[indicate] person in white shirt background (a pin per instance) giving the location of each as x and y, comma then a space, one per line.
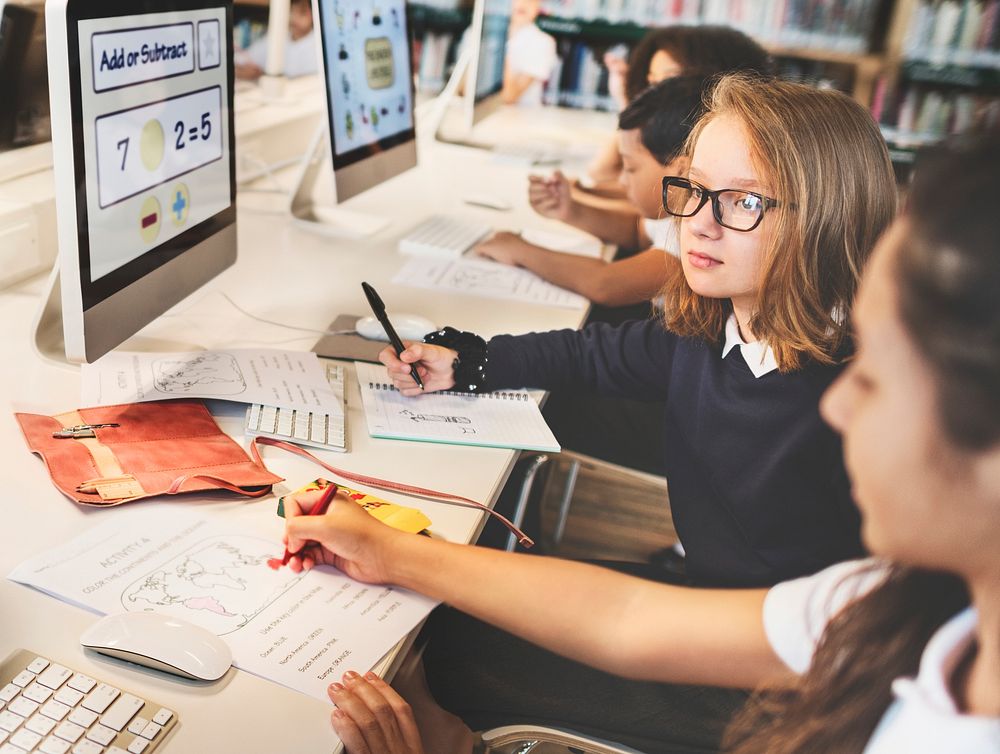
897, 653
300, 49
530, 56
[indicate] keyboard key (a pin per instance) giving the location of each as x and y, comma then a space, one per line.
100, 698
115, 750
82, 683
82, 717
69, 696
56, 710
26, 739
3, 735
138, 746
101, 735
69, 731
55, 676
163, 716
151, 731
122, 711
23, 707
38, 665
8, 692
9, 721
53, 745
40, 724
36, 692
137, 726
10, 749
87, 747
23, 678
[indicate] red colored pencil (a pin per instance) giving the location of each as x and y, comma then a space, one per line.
318, 509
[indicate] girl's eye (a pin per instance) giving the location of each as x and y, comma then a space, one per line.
749, 202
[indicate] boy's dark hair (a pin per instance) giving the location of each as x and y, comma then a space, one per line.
665, 113
699, 50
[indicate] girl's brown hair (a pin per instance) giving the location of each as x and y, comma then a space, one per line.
820, 154
947, 278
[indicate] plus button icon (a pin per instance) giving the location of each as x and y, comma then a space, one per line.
178, 206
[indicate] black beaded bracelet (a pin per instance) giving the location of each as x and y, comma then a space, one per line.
470, 366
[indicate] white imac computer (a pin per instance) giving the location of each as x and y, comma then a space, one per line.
143, 154
24, 90
484, 79
368, 135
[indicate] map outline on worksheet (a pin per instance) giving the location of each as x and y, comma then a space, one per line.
167, 579
210, 372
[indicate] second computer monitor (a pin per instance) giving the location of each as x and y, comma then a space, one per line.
369, 91
490, 22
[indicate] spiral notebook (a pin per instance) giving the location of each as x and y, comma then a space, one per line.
504, 419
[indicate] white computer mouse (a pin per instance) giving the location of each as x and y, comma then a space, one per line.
407, 327
159, 641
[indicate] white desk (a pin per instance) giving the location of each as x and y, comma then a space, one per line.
292, 276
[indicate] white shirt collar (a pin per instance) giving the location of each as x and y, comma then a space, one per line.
757, 355
938, 663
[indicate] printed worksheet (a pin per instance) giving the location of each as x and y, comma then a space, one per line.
300, 630
483, 277
286, 379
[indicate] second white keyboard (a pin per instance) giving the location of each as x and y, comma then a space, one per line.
444, 236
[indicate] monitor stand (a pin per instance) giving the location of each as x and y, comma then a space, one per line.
47, 329
318, 218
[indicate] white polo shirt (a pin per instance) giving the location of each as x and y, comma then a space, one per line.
663, 233
533, 52
923, 717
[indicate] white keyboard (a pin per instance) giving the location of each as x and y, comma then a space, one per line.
46, 707
444, 236
316, 429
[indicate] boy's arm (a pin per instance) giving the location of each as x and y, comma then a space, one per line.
628, 281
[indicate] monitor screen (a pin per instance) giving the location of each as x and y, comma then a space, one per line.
492, 41
369, 79
24, 89
149, 135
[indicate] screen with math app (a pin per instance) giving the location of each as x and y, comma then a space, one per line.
369, 81
154, 105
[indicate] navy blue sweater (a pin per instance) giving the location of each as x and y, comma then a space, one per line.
757, 483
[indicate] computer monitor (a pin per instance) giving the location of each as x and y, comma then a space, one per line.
24, 89
143, 155
368, 131
484, 79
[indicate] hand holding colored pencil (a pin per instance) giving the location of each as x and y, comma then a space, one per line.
318, 509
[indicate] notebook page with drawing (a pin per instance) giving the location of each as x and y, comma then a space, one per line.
504, 419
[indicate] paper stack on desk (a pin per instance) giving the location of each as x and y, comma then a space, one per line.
286, 379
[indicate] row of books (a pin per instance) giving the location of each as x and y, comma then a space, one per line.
247, 31
844, 25
436, 52
580, 79
920, 115
960, 32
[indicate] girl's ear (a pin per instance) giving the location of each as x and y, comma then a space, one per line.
678, 166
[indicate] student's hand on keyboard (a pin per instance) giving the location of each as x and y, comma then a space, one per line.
346, 537
508, 248
372, 718
434, 365
552, 196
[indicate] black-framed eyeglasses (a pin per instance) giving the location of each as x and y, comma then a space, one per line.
732, 208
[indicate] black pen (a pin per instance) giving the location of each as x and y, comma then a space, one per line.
379, 309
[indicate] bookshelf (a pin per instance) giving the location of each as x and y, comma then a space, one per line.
942, 72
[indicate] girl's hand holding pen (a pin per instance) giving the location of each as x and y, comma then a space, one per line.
346, 537
435, 365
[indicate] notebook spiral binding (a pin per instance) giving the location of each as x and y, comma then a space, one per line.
498, 395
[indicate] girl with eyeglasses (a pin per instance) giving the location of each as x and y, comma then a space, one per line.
895, 653
754, 329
